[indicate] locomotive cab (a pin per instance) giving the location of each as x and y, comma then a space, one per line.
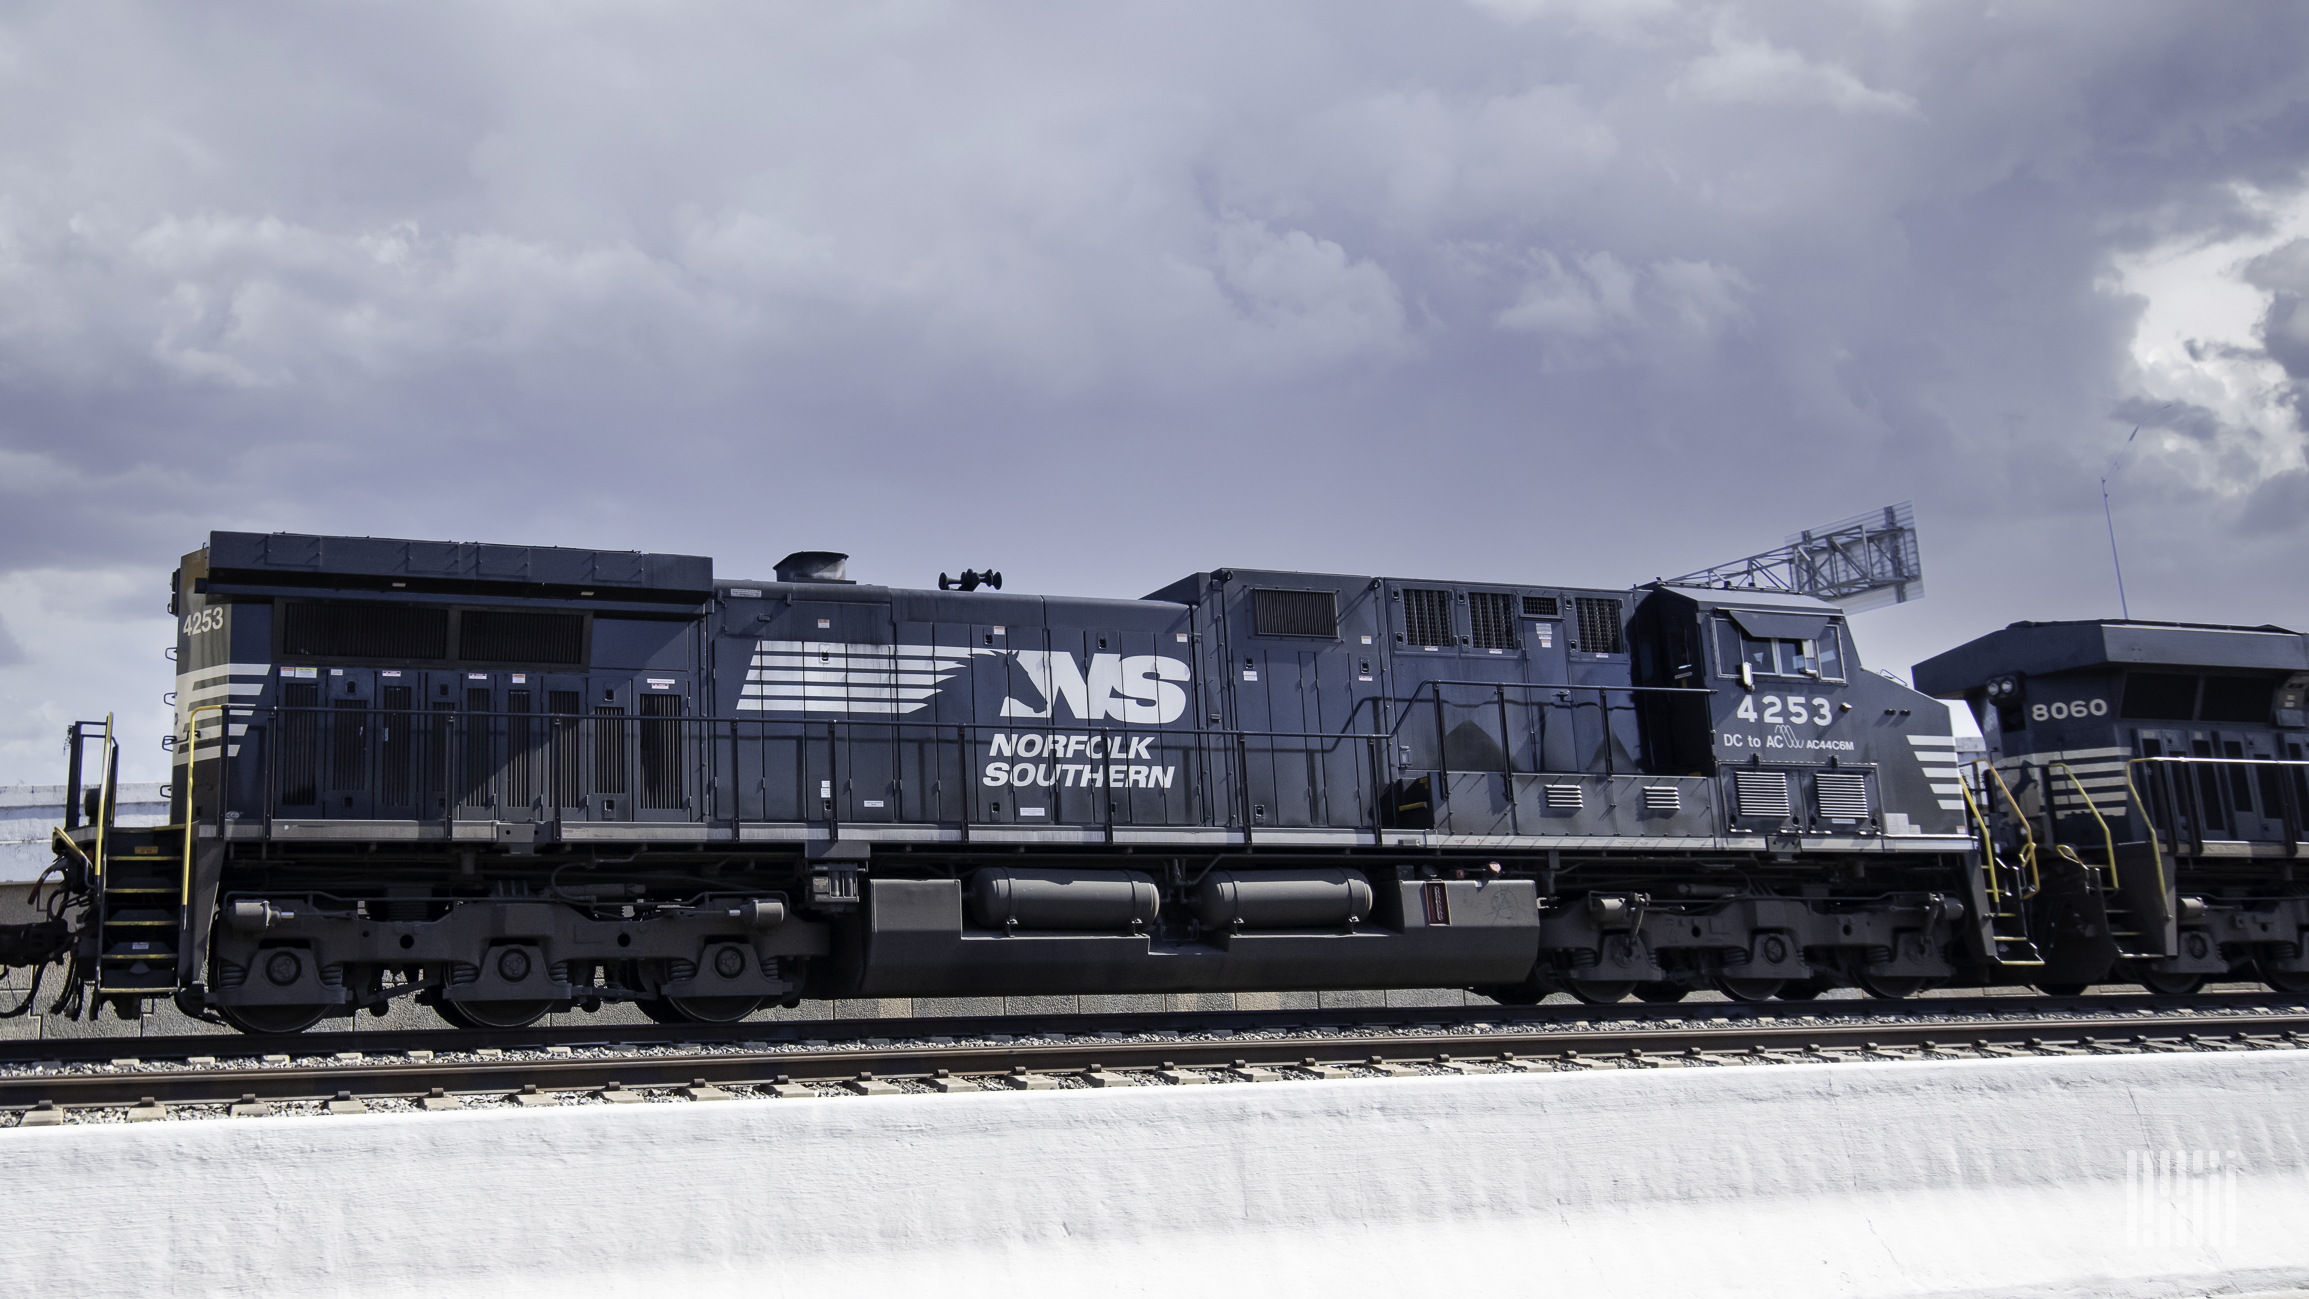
2156, 776
1763, 691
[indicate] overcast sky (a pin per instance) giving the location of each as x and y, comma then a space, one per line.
1103, 294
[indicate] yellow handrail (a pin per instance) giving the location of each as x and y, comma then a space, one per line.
2028, 835
58, 839
103, 798
2108, 836
1987, 845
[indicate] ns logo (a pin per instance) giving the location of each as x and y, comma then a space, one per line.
1135, 688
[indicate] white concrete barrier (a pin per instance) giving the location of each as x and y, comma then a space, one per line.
2103, 1176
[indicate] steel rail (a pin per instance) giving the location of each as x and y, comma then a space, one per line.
1534, 1046
99, 1049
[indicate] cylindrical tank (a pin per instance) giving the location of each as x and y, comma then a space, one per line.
1030, 899
1297, 899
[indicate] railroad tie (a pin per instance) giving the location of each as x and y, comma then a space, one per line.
1245, 1071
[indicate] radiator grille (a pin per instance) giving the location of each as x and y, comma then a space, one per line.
479, 775
1599, 625
1762, 793
1541, 606
300, 745
1493, 616
661, 783
1565, 797
1295, 613
1843, 795
496, 637
1427, 616
608, 750
521, 756
1663, 798
357, 629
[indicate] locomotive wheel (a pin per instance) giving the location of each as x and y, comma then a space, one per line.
1600, 992
2062, 989
1891, 987
2169, 985
2292, 983
712, 1010
1802, 989
1661, 992
272, 1019
1533, 990
1750, 989
493, 1014
659, 1011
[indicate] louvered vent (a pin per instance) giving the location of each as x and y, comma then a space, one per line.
1565, 797
1427, 616
1663, 798
1599, 625
1493, 613
1295, 613
1843, 795
1541, 606
355, 629
1762, 793
489, 637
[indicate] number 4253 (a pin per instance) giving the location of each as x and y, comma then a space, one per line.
1799, 709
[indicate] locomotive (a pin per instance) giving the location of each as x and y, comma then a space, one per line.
2148, 779
507, 780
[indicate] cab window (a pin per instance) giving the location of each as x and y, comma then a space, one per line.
1780, 658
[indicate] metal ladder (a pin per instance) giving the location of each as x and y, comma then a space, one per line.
2008, 884
136, 879
2124, 923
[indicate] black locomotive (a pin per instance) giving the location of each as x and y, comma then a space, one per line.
508, 780
2149, 780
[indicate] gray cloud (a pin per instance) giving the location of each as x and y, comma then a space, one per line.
1518, 289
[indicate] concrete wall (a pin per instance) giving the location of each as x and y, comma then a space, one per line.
29, 812
2115, 1176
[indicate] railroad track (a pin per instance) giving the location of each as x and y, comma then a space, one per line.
444, 1040
188, 1076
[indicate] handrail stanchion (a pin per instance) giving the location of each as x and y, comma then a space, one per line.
2108, 836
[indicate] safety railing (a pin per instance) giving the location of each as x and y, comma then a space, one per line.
2174, 804
336, 763
1539, 704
